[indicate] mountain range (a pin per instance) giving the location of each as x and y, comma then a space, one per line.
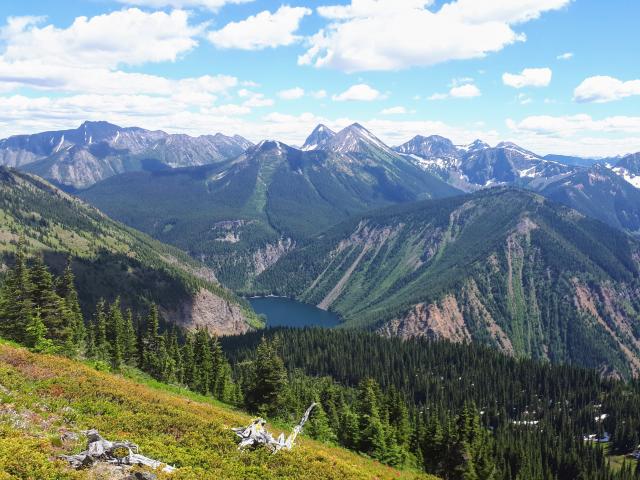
252, 209
94, 151
429, 238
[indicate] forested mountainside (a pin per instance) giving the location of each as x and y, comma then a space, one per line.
502, 267
241, 216
94, 151
459, 411
110, 259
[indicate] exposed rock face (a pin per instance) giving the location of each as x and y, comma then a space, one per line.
270, 254
206, 310
602, 304
442, 320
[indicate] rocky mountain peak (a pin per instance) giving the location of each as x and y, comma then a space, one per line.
318, 138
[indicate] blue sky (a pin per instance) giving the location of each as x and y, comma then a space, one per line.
553, 75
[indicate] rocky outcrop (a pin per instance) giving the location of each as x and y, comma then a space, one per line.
209, 311
270, 254
441, 320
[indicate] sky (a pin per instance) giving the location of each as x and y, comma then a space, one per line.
555, 76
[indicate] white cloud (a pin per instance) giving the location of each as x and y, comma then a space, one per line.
565, 56
602, 89
319, 94
465, 91
291, 93
213, 5
458, 90
254, 100
407, 33
394, 111
260, 31
130, 37
360, 92
84, 57
529, 77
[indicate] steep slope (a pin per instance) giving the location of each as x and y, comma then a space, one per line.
241, 216
110, 259
628, 167
599, 193
46, 401
318, 138
96, 150
503, 267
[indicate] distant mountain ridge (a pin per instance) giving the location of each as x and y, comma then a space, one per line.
80, 157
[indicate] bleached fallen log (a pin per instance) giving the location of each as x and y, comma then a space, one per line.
101, 450
256, 434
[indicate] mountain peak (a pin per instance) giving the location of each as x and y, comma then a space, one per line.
355, 139
318, 138
429, 147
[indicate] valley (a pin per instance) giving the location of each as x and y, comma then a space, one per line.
385, 277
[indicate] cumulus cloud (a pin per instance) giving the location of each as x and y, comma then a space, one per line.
359, 92
263, 30
213, 5
124, 37
465, 91
565, 56
291, 93
602, 89
459, 90
408, 33
85, 57
529, 77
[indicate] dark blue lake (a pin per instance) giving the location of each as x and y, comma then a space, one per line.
284, 312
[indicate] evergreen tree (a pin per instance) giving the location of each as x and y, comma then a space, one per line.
266, 392
15, 301
318, 426
130, 351
35, 334
102, 347
67, 291
116, 334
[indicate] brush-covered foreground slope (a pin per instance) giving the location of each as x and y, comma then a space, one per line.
241, 216
110, 259
503, 267
43, 397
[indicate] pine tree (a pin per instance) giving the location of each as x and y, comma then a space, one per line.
52, 308
35, 334
115, 334
372, 433
102, 348
67, 291
153, 348
266, 391
15, 301
318, 426
130, 340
